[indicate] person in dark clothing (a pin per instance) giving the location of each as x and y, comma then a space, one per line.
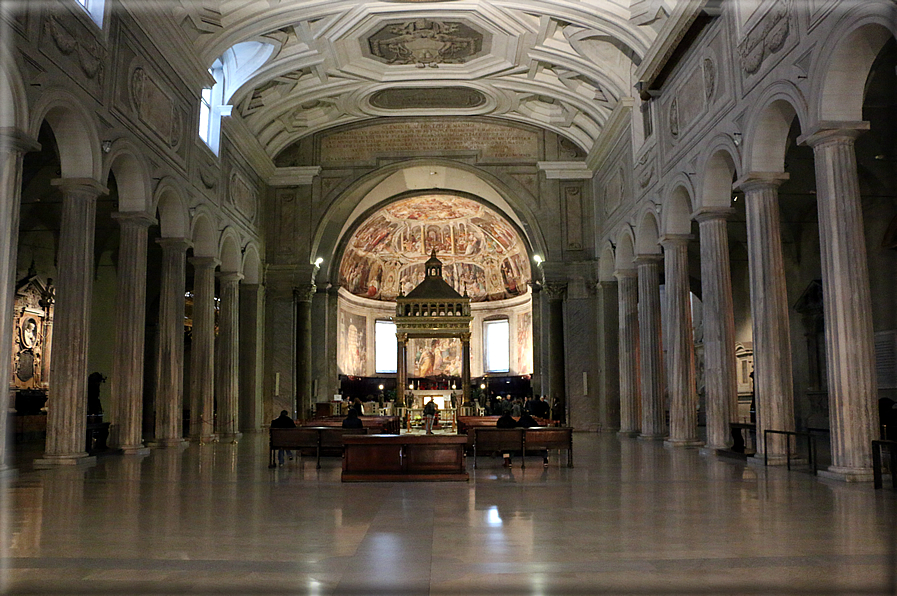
283, 421
506, 421
543, 409
352, 420
527, 421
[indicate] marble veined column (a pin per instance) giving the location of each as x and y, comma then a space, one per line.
252, 300
608, 355
67, 400
202, 357
720, 381
169, 399
465, 369
630, 367
650, 346
13, 145
126, 429
228, 369
773, 389
850, 350
680, 344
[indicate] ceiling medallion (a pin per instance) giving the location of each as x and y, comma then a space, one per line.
445, 98
426, 43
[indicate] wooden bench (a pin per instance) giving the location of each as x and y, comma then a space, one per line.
537, 438
389, 425
379, 458
465, 423
315, 438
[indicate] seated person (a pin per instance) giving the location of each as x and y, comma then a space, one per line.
527, 421
352, 420
506, 421
283, 421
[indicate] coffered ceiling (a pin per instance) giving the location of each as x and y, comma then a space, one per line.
559, 64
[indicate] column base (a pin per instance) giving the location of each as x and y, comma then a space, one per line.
847, 474
775, 460
166, 443
55, 461
139, 450
204, 439
8, 473
230, 437
682, 443
628, 433
651, 437
712, 449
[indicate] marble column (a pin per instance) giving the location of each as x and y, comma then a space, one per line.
850, 349
67, 400
13, 145
773, 388
650, 346
202, 355
538, 373
680, 342
227, 387
557, 369
252, 298
126, 429
629, 353
720, 381
169, 398
608, 355
465, 368
303, 296
331, 372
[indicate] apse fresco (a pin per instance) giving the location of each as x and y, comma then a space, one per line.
433, 357
480, 251
353, 348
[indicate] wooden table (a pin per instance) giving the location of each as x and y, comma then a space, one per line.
404, 458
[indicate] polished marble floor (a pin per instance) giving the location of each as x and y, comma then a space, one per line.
632, 517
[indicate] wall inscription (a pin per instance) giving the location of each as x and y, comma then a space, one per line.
490, 140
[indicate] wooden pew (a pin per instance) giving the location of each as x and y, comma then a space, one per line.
537, 438
467, 422
308, 437
390, 425
379, 458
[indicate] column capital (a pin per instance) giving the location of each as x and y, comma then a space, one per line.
555, 290
294, 176
625, 273
648, 258
204, 262
230, 276
465, 337
671, 240
134, 218
304, 292
174, 244
16, 140
711, 213
402, 338
80, 186
827, 131
755, 180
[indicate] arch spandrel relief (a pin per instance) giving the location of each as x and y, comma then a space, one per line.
481, 252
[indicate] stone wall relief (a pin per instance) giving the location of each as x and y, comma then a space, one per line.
573, 208
82, 48
426, 43
242, 196
767, 37
155, 107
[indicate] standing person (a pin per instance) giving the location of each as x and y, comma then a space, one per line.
283, 421
359, 408
430, 415
516, 408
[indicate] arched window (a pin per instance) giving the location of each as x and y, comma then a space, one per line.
212, 108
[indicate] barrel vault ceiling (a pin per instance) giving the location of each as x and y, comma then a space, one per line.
562, 65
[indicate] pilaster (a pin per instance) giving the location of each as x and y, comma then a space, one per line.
608, 355
557, 373
303, 295
252, 300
